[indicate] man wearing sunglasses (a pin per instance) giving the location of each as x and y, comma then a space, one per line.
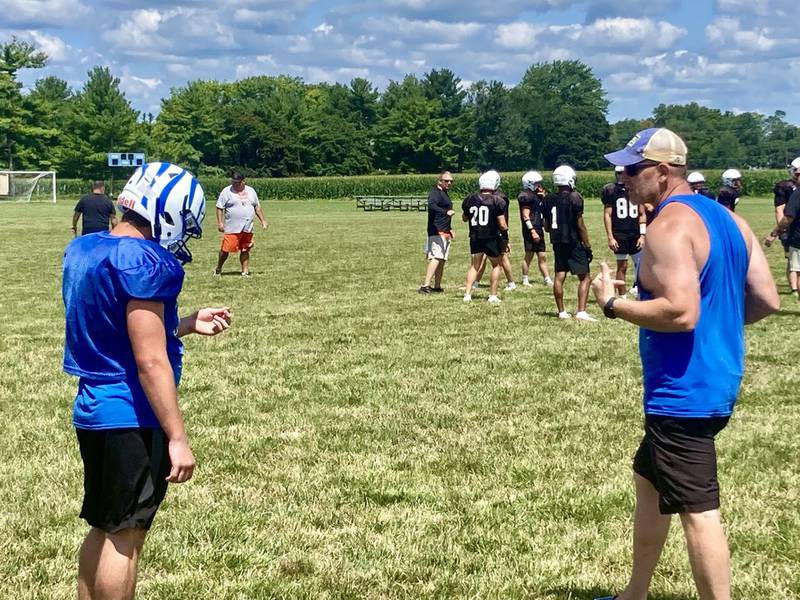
696, 298
440, 233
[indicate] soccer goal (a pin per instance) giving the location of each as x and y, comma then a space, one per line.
27, 186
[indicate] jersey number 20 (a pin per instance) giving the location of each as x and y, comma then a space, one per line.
480, 215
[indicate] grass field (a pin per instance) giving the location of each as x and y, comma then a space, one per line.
357, 440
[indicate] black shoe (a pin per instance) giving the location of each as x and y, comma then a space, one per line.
437, 290
425, 290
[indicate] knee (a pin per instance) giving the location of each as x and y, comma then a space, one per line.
127, 541
701, 520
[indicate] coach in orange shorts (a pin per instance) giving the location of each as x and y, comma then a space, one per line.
237, 205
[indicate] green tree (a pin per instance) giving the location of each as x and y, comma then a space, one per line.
48, 106
190, 129
564, 107
18, 130
101, 121
497, 137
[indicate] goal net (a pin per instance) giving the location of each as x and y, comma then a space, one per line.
27, 186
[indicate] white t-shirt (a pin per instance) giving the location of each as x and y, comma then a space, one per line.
239, 207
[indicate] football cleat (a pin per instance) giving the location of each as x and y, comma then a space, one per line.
467, 298
425, 290
511, 286
494, 300
548, 282
582, 315
564, 315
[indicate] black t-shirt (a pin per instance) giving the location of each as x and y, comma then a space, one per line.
561, 211
438, 205
783, 191
533, 202
624, 213
482, 211
793, 210
96, 209
727, 197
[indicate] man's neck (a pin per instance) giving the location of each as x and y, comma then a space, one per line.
674, 188
125, 229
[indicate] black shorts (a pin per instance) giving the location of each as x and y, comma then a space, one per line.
490, 247
678, 456
627, 247
530, 245
571, 257
124, 476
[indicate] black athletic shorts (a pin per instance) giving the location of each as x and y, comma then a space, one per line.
530, 245
678, 456
627, 247
124, 476
571, 257
490, 246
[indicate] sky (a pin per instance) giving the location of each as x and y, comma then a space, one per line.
737, 55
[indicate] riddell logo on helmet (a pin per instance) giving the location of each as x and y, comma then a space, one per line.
126, 202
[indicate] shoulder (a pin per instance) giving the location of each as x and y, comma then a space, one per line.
147, 270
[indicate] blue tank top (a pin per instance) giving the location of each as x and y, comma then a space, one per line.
698, 373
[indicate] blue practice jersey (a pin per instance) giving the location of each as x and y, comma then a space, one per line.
102, 273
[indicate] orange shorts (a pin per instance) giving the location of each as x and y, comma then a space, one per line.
237, 242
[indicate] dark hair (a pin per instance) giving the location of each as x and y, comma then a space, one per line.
237, 176
134, 218
98, 184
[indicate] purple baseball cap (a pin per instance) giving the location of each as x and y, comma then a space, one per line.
657, 144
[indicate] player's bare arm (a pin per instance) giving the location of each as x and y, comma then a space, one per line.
260, 215
583, 232
206, 321
678, 247
781, 228
526, 217
145, 321
220, 219
612, 242
761, 294
501, 223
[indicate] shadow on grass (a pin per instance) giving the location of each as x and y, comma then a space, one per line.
579, 593
787, 313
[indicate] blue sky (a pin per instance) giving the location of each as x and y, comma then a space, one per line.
739, 55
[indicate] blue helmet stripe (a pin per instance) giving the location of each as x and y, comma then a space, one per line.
162, 197
192, 189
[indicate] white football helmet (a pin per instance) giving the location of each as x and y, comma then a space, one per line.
489, 180
695, 177
530, 179
729, 176
564, 175
794, 166
172, 200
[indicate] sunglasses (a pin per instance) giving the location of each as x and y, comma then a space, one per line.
447, 181
634, 170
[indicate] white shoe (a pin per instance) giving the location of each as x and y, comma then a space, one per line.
494, 300
582, 315
548, 282
476, 285
467, 298
564, 315
511, 286
527, 283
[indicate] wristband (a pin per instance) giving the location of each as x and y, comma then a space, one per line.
642, 228
608, 308
528, 224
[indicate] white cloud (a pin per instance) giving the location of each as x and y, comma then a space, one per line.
727, 30
41, 13
323, 28
54, 47
632, 82
519, 35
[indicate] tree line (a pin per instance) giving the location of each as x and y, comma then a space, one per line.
281, 126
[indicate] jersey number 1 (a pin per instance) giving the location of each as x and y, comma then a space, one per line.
480, 215
553, 218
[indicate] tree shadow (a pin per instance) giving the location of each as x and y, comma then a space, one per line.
579, 593
787, 313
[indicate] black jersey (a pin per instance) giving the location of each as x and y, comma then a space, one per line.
783, 191
561, 212
727, 197
534, 203
793, 210
704, 191
624, 214
482, 211
502, 195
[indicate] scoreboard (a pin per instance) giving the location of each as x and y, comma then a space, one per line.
125, 159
